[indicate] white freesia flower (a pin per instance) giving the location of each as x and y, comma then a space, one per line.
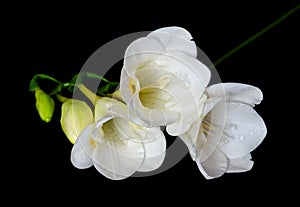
228, 130
162, 81
115, 145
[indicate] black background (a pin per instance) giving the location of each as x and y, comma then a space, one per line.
56, 39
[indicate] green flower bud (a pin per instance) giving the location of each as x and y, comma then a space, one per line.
44, 105
75, 116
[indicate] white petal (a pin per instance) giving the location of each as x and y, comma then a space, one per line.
127, 86
240, 164
153, 76
107, 108
188, 116
204, 135
190, 69
79, 157
210, 103
178, 31
236, 92
154, 150
108, 174
210, 146
215, 166
190, 72
118, 161
122, 145
213, 124
245, 128
141, 51
176, 39
186, 105
190, 138
83, 149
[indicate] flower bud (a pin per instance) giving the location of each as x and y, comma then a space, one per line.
75, 116
44, 105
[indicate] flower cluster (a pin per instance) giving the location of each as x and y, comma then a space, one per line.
164, 84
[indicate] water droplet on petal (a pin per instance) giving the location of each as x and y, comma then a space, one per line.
242, 137
251, 133
232, 126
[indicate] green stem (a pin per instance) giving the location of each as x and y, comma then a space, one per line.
93, 75
103, 91
34, 83
78, 77
44, 76
59, 88
257, 35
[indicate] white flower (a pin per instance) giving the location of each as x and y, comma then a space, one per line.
115, 145
162, 81
228, 130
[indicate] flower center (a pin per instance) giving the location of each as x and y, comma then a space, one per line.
117, 130
156, 98
206, 127
112, 131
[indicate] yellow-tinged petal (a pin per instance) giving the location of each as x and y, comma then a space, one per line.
75, 116
44, 105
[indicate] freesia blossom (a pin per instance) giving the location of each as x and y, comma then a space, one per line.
75, 116
162, 80
117, 146
227, 131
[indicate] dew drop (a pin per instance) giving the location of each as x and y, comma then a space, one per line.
232, 126
251, 133
242, 138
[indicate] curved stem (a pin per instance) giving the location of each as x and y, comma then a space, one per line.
44, 76
257, 35
34, 83
99, 77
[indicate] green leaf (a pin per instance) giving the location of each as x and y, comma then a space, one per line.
33, 84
